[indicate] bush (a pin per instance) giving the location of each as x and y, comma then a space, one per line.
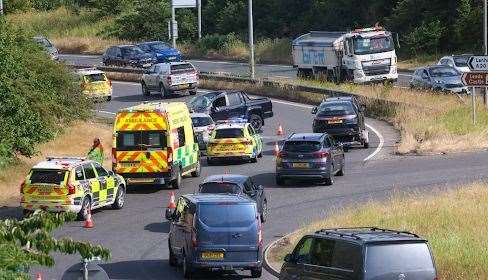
37, 94
426, 37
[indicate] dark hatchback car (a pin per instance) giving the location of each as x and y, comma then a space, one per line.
342, 118
161, 51
360, 254
240, 185
312, 156
215, 232
127, 55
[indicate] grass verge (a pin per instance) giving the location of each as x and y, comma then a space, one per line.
70, 143
451, 221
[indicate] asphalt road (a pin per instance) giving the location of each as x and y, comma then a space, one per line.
137, 234
262, 70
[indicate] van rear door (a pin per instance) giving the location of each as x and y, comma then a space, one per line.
231, 228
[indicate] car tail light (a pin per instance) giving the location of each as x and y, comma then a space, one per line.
170, 154
260, 233
71, 188
22, 185
320, 155
282, 154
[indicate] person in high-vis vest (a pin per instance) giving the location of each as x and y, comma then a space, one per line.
96, 152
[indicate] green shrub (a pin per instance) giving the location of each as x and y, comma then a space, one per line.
426, 37
37, 94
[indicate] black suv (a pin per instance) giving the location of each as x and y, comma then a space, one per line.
360, 253
127, 55
343, 118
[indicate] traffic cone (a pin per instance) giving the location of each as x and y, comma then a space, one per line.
171, 204
38, 276
88, 221
280, 131
276, 149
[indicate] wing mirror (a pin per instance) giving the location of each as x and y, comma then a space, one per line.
111, 173
260, 187
314, 110
169, 214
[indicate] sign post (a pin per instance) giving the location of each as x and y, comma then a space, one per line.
478, 78
181, 4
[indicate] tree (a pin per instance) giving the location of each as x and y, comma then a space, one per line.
426, 37
26, 243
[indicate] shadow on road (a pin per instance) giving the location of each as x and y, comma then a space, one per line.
158, 227
7, 212
268, 181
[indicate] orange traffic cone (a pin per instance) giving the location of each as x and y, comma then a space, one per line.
276, 149
280, 131
171, 204
38, 276
88, 221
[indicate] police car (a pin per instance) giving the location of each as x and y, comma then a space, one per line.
234, 139
70, 184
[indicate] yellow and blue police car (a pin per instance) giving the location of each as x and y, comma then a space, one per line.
71, 184
234, 140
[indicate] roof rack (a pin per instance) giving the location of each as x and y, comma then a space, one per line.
50, 158
337, 231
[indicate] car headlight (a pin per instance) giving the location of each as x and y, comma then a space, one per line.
438, 82
352, 121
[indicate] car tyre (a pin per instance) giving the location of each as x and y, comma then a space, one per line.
162, 91
145, 90
173, 261
280, 181
176, 183
329, 181
197, 171
85, 206
256, 272
120, 198
187, 268
256, 121
193, 92
264, 214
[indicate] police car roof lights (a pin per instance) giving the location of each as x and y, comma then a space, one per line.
233, 120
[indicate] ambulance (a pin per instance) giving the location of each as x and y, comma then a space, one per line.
153, 143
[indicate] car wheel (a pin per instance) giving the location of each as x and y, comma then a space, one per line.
254, 159
145, 89
120, 198
256, 272
193, 92
264, 211
329, 181
187, 268
85, 206
176, 183
280, 181
162, 91
196, 173
256, 121
173, 261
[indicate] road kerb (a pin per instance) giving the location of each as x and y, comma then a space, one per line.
267, 265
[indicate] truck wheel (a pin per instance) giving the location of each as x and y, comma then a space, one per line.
256, 121
176, 183
145, 90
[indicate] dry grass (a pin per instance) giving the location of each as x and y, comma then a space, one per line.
454, 223
75, 141
85, 45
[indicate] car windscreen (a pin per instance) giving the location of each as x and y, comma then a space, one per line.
373, 45
202, 101
182, 68
302, 146
384, 259
335, 109
461, 61
227, 214
95, 78
443, 72
219, 187
141, 140
160, 46
132, 51
201, 121
47, 176
43, 42
229, 133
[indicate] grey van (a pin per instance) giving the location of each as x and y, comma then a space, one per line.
215, 232
360, 254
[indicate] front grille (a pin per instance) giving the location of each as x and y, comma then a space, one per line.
377, 70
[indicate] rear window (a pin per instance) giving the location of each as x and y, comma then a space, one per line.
141, 140
227, 215
219, 187
302, 146
336, 109
229, 133
95, 78
182, 68
382, 260
201, 121
47, 176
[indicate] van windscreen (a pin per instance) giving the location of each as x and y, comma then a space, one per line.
54, 176
227, 215
383, 259
141, 140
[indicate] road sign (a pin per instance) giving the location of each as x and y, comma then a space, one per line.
478, 63
184, 4
473, 79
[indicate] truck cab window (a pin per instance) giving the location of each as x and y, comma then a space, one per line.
234, 99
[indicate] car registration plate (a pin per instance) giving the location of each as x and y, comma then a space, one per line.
335, 121
129, 164
213, 255
141, 180
300, 165
44, 189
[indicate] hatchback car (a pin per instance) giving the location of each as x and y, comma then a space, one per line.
127, 55
215, 232
312, 156
95, 84
460, 62
161, 50
438, 78
240, 185
203, 126
360, 254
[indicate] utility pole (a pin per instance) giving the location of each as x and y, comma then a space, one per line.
1, 7
173, 27
199, 3
251, 42
485, 35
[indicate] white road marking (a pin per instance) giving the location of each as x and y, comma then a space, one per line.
239, 63
106, 112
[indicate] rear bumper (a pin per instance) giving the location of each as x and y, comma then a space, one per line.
229, 157
148, 178
215, 265
179, 88
50, 206
310, 174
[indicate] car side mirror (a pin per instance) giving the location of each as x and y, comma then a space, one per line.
260, 187
111, 173
314, 110
169, 214
289, 258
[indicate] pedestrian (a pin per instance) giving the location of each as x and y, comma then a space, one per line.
96, 152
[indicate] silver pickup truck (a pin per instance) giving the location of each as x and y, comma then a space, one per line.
169, 78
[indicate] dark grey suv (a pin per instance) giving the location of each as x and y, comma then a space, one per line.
360, 253
311, 156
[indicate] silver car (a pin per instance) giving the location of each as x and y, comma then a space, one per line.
438, 78
169, 78
48, 46
203, 126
